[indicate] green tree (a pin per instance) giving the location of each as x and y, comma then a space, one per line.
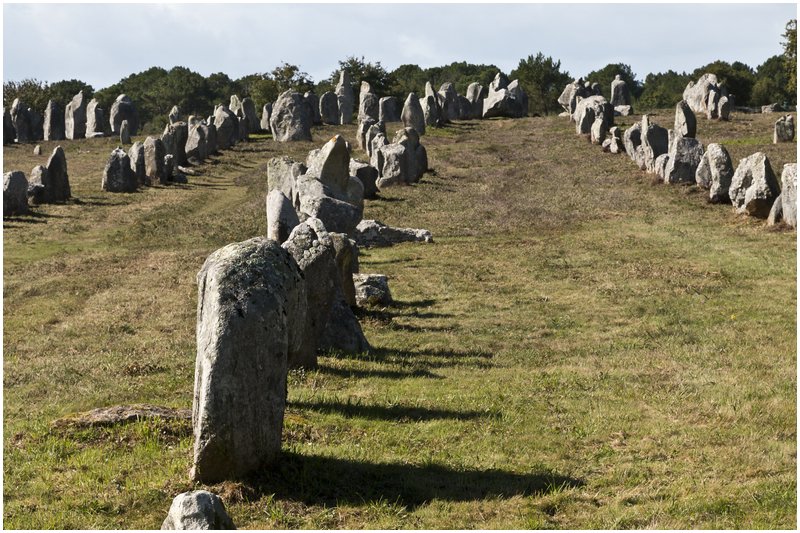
220, 88
63, 91
606, 75
287, 76
407, 79
30, 91
542, 80
661, 90
790, 57
772, 83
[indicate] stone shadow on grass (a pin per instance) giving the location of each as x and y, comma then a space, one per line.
387, 374
396, 413
316, 480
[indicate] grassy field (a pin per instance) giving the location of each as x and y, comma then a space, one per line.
579, 348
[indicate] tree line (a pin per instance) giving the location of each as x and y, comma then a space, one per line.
156, 89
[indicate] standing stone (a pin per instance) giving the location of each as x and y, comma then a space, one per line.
685, 155
250, 315
53, 122
9, 133
249, 110
697, 94
375, 141
508, 100
282, 174
361, 132
450, 98
235, 106
632, 139
430, 109
174, 137
22, 118
388, 109
227, 127
724, 108
312, 248
329, 108
197, 510
124, 133
372, 289
345, 98
154, 153
75, 117
57, 187
169, 167
367, 175
660, 166
265, 114
313, 103
789, 194
416, 155
655, 141
118, 176
281, 216
209, 132
413, 116
599, 131
123, 109
290, 120
620, 96
589, 109
784, 130
776, 212
685, 121
39, 185
715, 172
196, 147
372, 132
136, 158
712, 106
94, 119
475, 97
15, 194
368, 103
244, 132
174, 115
754, 186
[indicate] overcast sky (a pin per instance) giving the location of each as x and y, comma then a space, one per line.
102, 43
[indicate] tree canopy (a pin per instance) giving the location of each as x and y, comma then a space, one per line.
542, 80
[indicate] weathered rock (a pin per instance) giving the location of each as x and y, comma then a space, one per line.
312, 248
374, 139
282, 174
136, 158
368, 103
117, 175
715, 172
235, 106
696, 94
9, 134
266, 111
244, 132
598, 131
95, 119
124, 133
754, 186
684, 158
174, 115
367, 175
505, 99
450, 101
771, 108
345, 98
75, 118
329, 108
250, 315
616, 145
372, 289
712, 104
416, 155
388, 109
464, 107
116, 415
227, 125
175, 137
660, 166
281, 216
197, 510
588, 109
784, 130
249, 111
569, 96
15, 194
53, 122
290, 120
632, 138
196, 146
22, 119
361, 133
620, 95
685, 121
623, 110
724, 108
154, 153
374, 233
430, 109
789, 194
775, 212
59, 189
123, 108
393, 169
475, 97
655, 141
413, 115
210, 133
37, 150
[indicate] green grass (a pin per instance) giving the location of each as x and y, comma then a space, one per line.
578, 349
